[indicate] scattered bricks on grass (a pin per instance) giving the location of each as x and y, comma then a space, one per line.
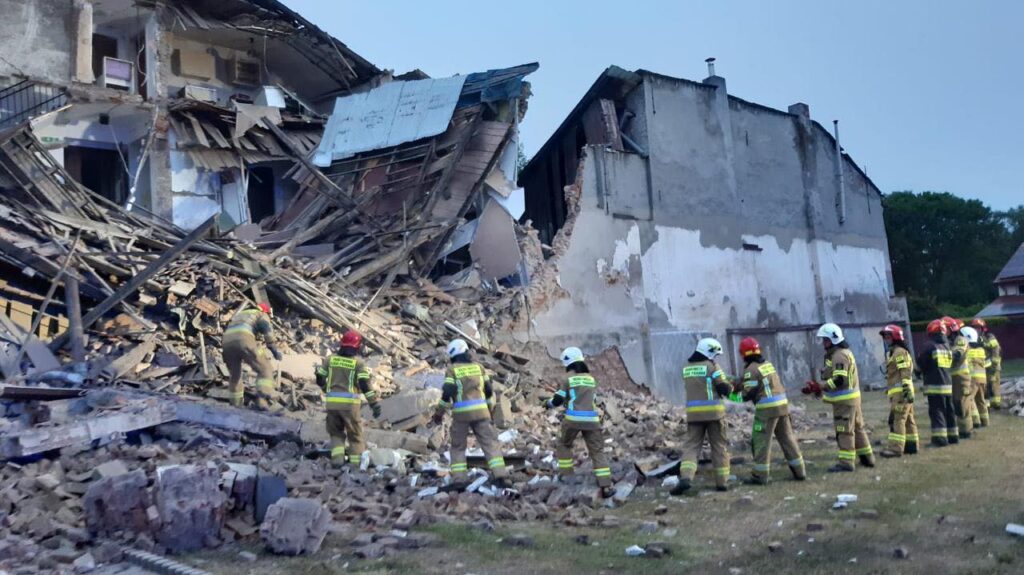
295, 526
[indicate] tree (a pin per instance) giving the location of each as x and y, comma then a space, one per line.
945, 250
1013, 219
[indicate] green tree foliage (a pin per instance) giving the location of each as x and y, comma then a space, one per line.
946, 250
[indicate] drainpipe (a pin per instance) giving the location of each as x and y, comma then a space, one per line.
839, 174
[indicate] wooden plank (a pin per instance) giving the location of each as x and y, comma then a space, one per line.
198, 128
122, 365
139, 279
37, 352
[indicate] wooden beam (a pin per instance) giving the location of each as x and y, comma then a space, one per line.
137, 281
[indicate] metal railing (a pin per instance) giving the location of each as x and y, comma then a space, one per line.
26, 99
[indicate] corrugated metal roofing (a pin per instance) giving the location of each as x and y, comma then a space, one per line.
1015, 267
392, 114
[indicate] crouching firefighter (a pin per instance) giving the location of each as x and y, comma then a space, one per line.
467, 391
841, 386
899, 370
933, 363
706, 386
345, 380
579, 395
240, 347
761, 385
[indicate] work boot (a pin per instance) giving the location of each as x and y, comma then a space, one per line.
953, 439
798, 474
939, 442
890, 454
456, 486
721, 488
840, 468
607, 492
965, 435
755, 480
867, 460
683, 486
501, 483
911, 448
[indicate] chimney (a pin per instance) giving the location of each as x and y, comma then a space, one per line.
713, 79
800, 109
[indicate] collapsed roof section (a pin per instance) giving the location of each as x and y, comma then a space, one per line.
287, 42
403, 166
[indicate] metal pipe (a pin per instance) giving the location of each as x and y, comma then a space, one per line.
839, 173
711, 66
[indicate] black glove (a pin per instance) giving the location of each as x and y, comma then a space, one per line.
908, 394
277, 355
376, 410
438, 418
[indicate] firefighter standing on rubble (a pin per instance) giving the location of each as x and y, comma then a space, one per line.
976, 359
841, 387
706, 387
963, 397
933, 363
579, 394
345, 380
240, 347
761, 385
467, 391
899, 370
993, 363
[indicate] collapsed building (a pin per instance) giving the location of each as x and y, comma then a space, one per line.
680, 211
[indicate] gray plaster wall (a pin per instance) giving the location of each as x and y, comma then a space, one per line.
731, 228
36, 39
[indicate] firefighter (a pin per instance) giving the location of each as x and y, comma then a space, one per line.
933, 364
467, 392
961, 373
976, 358
899, 369
579, 395
841, 386
345, 380
761, 385
706, 386
993, 363
240, 347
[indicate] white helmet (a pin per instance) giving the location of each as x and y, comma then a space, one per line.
832, 332
709, 347
970, 333
457, 347
571, 355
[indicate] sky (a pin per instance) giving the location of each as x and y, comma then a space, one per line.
929, 94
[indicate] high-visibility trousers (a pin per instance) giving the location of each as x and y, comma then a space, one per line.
781, 428
715, 433
851, 435
486, 438
594, 439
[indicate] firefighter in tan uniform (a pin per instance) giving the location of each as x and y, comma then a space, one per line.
993, 363
579, 395
963, 395
706, 386
240, 347
467, 391
345, 381
976, 359
899, 371
761, 385
841, 386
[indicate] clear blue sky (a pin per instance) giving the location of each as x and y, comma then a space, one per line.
929, 93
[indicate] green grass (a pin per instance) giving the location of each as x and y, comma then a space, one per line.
1013, 368
948, 507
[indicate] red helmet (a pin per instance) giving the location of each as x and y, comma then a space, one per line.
952, 324
749, 346
937, 326
893, 330
351, 339
979, 324
264, 307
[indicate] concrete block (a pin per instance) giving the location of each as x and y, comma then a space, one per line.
110, 469
191, 506
118, 503
295, 526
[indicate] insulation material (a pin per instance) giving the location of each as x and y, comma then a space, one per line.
494, 247
392, 114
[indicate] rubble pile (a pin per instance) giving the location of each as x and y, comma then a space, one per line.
1013, 395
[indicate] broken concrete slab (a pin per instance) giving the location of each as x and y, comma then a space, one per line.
118, 503
409, 404
397, 440
141, 415
191, 506
295, 526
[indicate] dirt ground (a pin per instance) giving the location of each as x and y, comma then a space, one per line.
947, 508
